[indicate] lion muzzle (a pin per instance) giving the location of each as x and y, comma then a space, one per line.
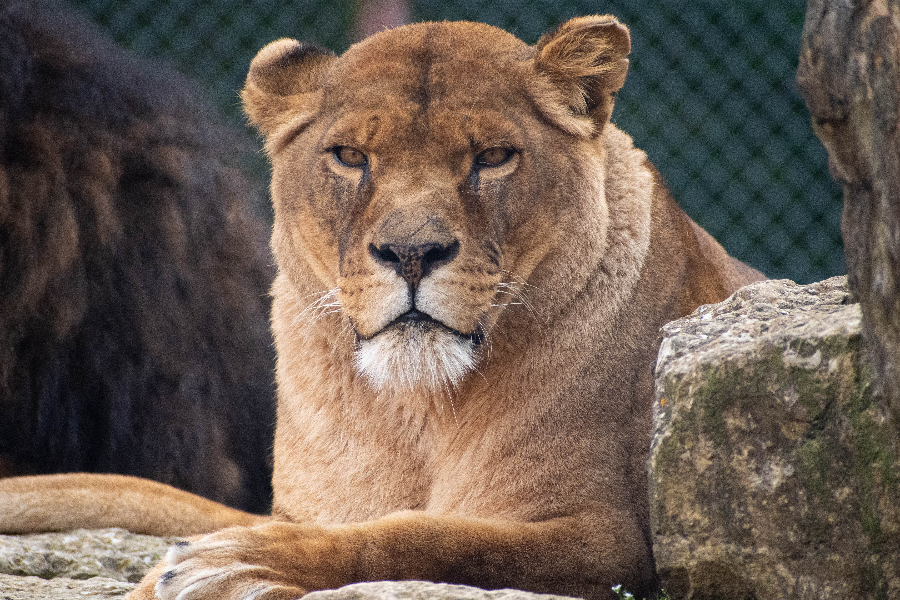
416, 349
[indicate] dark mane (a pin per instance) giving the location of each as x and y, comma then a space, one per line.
133, 276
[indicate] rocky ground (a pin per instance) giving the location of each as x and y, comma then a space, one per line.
107, 563
80, 564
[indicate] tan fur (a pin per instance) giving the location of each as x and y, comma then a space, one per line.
553, 269
110, 501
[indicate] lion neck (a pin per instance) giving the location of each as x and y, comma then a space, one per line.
592, 270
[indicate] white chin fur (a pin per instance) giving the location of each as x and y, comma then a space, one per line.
410, 356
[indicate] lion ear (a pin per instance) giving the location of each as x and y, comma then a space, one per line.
580, 66
283, 84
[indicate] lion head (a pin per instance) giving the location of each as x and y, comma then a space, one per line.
426, 173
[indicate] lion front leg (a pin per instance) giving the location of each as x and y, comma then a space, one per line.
285, 560
279, 561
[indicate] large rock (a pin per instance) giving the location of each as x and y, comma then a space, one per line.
849, 75
772, 472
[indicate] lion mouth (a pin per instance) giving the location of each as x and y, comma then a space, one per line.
417, 318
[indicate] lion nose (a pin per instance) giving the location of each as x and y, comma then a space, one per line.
414, 261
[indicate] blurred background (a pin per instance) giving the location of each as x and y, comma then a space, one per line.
710, 96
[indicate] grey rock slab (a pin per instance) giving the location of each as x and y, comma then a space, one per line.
82, 554
422, 590
61, 588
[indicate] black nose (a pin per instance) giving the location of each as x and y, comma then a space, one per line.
414, 261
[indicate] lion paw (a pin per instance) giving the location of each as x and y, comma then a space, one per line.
215, 567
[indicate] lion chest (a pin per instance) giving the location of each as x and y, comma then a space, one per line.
349, 460
504, 452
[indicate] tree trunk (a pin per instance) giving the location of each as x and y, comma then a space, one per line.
849, 75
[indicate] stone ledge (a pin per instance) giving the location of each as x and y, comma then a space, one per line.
106, 563
62, 588
422, 590
82, 554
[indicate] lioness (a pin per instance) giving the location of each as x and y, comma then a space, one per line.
473, 268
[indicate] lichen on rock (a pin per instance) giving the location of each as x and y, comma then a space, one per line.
772, 471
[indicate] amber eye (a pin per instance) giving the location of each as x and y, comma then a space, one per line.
350, 157
494, 157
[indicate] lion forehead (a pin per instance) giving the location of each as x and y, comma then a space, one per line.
431, 64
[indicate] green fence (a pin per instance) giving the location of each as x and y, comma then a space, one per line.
710, 96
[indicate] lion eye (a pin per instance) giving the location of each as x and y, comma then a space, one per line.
494, 157
350, 157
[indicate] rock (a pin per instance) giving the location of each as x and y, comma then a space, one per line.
104, 563
772, 472
421, 590
82, 554
61, 588
849, 75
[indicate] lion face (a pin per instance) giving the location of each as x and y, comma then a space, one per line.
419, 176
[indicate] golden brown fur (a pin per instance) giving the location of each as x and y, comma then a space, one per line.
133, 311
473, 269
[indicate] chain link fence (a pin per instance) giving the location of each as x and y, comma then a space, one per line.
710, 96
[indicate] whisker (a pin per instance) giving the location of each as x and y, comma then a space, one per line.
446, 388
453, 410
325, 293
326, 303
345, 330
514, 289
518, 280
